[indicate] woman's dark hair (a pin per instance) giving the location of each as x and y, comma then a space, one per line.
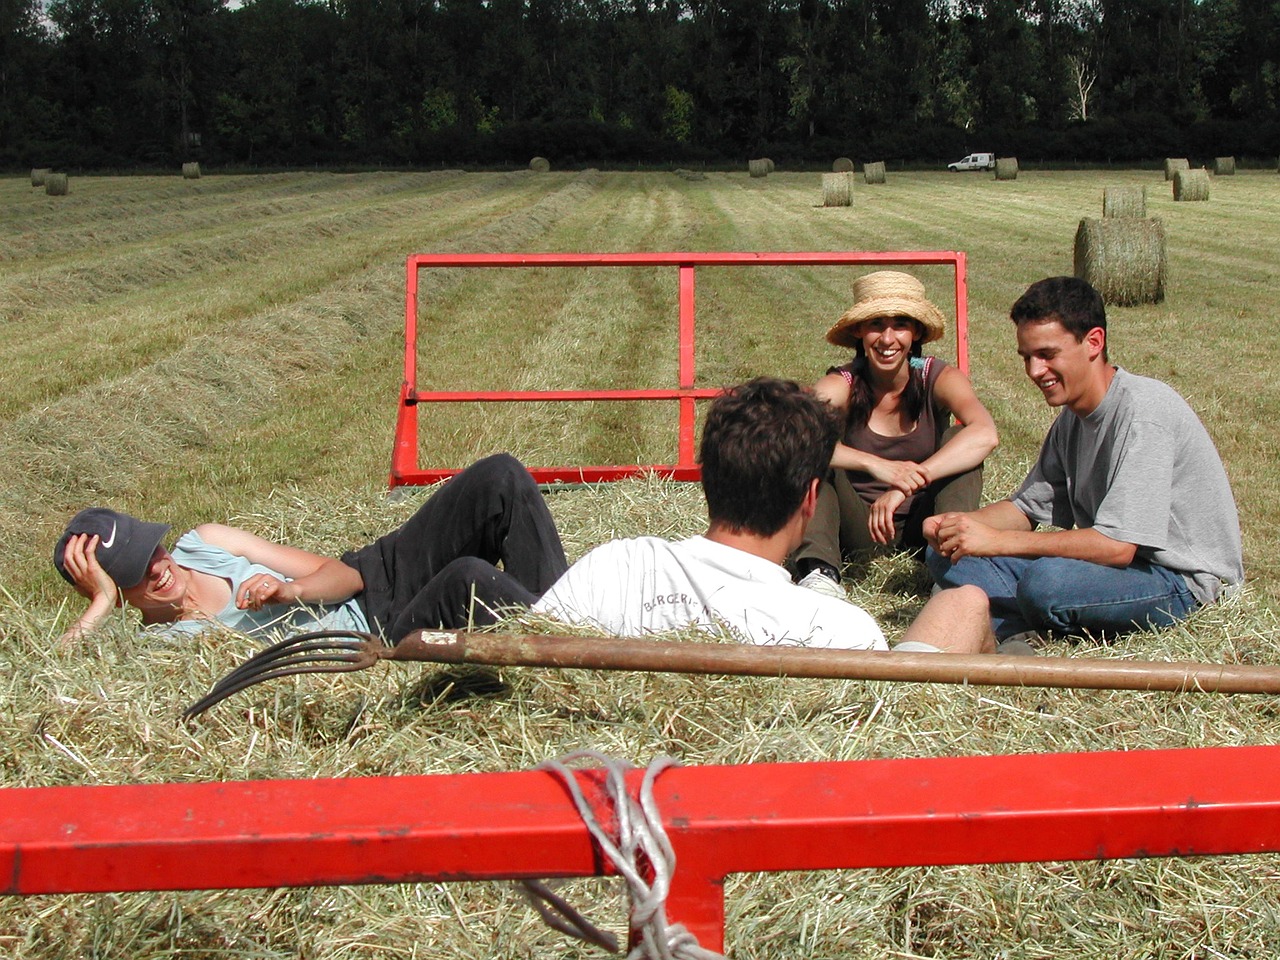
861, 398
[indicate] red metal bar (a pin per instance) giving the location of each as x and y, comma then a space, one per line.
404, 466
722, 820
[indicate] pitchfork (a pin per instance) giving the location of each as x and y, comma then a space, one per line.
338, 651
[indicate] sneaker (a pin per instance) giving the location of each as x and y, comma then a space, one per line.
819, 582
1019, 645
915, 646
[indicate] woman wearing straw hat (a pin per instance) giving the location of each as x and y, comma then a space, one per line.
899, 461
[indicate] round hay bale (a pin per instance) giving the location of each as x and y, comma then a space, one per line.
1122, 258
873, 172
1224, 166
1130, 201
758, 168
540, 165
768, 163
837, 189
191, 171
1006, 168
1173, 165
55, 184
1191, 184
842, 165
38, 175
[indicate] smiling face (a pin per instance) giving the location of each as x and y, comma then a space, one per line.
162, 590
1069, 372
887, 341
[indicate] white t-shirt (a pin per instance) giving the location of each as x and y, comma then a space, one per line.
629, 588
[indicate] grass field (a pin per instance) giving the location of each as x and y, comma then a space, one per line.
229, 348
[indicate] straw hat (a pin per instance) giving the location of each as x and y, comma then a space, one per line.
887, 293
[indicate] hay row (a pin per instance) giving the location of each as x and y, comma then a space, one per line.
1224, 166
842, 165
873, 172
38, 285
837, 189
191, 171
1123, 259
1127, 201
164, 211
692, 175
1191, 184
1173, 164
1006, 168
56, 456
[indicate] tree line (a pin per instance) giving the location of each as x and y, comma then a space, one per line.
122, 83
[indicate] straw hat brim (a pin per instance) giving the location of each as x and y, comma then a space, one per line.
843, 333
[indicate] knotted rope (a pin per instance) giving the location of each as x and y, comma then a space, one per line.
640, 833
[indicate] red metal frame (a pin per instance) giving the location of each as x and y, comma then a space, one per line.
404, 456
721, 820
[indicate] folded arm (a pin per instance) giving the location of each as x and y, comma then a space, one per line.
312, 578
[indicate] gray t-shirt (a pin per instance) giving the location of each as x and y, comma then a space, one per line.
1142, 469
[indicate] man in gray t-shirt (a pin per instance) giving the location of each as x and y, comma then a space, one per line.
1150, 530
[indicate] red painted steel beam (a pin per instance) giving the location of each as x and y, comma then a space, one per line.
404, 468
722, 820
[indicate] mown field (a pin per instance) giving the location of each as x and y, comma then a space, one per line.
230, 349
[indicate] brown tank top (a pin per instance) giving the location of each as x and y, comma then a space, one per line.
917, 445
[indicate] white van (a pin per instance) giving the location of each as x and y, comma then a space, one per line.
974, 161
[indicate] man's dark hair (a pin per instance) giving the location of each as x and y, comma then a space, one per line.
762, 444
1069, 300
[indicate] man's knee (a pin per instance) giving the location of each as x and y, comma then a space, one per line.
1041, 590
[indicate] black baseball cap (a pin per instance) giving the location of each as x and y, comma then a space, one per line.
125, 543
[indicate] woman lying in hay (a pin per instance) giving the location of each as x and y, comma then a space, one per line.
899, 460
437, 570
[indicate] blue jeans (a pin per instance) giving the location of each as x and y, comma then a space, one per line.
1069, 596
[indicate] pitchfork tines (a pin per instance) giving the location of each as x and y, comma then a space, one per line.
321, 651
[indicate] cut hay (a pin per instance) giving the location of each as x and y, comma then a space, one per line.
837, 189
38, 175
759, 168
1191, 184
873, 172
1224, 166
1123, 259
1172, 165
1006, 168
191, 171
1128, 201
55, 184
692, 175
842, 165
540, 165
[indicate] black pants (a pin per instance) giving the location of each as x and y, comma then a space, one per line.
439, 568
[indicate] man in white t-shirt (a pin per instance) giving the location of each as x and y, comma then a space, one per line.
765, 447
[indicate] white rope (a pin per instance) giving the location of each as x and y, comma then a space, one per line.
640, 833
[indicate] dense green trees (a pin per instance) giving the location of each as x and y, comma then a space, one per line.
122, 82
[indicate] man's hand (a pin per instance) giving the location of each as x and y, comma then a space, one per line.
880, 522
959, 535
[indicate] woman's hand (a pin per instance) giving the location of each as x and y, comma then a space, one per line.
880, 522
262, 589
906, 476
81, 561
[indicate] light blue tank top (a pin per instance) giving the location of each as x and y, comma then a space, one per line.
193, 553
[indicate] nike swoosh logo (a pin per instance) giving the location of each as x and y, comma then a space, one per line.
111, 539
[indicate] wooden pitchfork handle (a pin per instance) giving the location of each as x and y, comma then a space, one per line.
341, 650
